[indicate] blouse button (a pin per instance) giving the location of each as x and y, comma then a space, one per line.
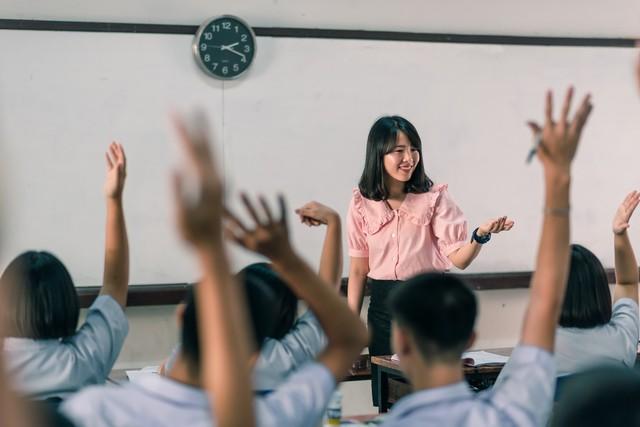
393, 235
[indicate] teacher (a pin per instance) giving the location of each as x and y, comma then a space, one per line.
401, 224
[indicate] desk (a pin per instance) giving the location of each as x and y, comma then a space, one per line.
392, 385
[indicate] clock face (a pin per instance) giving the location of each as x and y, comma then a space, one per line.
224, 47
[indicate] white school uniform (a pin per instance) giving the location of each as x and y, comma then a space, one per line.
522, 396
279, 358
614, 343
157, 401
48, 368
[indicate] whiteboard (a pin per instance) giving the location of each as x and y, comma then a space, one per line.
297, 123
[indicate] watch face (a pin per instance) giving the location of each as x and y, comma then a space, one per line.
224, 47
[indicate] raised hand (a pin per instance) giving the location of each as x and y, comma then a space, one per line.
268, 235
314, 214
496, 225
198, 203
116, 171
624, 212
560, 139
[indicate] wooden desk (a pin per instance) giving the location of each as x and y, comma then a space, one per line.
392, 384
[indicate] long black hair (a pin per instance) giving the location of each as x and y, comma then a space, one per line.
382, 140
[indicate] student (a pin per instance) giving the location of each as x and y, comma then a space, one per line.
591, 332
401, 224
47, 358
434, 316
292, 341
295, 342
603, 396
221, 365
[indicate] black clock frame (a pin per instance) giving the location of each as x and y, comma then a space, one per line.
199, 54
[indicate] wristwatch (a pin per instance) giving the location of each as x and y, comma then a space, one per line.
480, 239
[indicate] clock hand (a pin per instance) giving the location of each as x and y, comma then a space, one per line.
237, 53
229, 46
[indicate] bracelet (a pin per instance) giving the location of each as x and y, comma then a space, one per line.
557, 211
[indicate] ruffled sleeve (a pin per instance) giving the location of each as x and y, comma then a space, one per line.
356, 228
448, 222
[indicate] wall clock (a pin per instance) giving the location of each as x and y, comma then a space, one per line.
224, 47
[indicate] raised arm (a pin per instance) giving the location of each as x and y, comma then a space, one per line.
115, 279
625, 259
222, 318
559, 142
314, 214
346, 334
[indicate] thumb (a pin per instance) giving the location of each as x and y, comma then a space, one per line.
535, 128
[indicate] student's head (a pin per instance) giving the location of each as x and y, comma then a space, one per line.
285, 301
433, 319
42, 300
394, 151
260, 306
587, 302
605, 396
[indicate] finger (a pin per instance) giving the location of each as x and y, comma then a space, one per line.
250, 209
509, 225
582, 115
535, 128
233, 219
566, 106
230, 234
195, 146
549, 108
266, 209
178, 193
283, 209
109, 162
123, 156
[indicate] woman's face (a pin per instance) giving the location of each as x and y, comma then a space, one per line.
400, 163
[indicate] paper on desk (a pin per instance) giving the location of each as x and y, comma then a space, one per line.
478, 357
484, 358
135, 375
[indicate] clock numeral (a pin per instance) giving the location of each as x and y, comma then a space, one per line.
215, 65
243, 38
236, 28
207, 58
236, 67
226, 25
247, 49
225, 70
203, 47
208, 36
215, 28
243, 59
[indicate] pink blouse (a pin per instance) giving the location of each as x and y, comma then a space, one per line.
412, 239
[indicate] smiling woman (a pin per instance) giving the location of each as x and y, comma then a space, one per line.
401, 224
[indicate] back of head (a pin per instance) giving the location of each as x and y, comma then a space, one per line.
587, 302
285, 304
607, 396
42, 300
260, 304
439, 311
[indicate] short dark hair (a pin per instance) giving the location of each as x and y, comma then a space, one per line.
587, 301
439, 311
285, 301
382, 140
41, 300
260, 304
603, 396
